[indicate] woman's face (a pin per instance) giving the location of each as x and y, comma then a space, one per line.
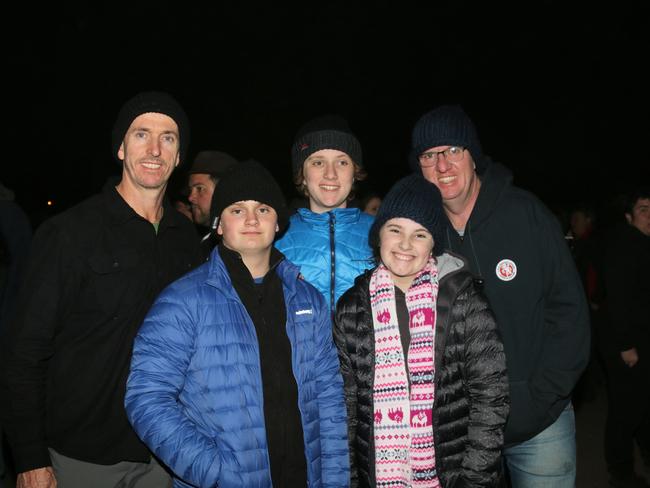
328, 176
405, 248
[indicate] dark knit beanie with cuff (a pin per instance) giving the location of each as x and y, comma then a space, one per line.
325, 132
151, 102
214, 163
416, 199
447, 125
248, 180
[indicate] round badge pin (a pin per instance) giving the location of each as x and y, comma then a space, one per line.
506, 270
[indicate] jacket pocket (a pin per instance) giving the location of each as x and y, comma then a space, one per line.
115, 280
525, 420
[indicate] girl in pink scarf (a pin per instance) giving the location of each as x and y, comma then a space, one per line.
423, 363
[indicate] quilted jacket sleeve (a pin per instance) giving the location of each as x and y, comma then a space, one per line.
162, 352
331, 405
344, 329
487, 386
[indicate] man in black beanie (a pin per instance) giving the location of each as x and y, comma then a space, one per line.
516, 249
93, 272
207, 168
234, 379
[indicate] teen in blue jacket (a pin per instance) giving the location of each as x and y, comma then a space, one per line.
328, 241
234, 367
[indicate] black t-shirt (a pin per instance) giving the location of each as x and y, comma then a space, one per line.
403, 321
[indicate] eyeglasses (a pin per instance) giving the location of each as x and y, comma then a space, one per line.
452, 154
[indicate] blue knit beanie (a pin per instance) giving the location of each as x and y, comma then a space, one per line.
447, 125
413, 198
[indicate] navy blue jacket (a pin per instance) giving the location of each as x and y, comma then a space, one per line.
515, 244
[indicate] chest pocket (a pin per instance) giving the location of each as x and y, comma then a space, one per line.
115, 280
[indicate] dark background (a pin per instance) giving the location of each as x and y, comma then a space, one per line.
558, 89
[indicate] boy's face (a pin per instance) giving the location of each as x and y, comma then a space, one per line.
248, 226
640, 216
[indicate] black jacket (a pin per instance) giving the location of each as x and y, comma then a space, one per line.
471, 396
627, 281
541, 309
92, 274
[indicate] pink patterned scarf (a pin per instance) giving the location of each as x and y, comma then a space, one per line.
404, 450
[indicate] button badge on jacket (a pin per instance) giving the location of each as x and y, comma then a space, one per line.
506, 270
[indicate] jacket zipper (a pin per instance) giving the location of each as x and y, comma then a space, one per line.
332, 264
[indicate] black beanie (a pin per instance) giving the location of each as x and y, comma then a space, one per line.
325, 132
248, 180
413, 198
151, 102
214, 163
447, 125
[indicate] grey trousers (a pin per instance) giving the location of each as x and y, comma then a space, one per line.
72, 473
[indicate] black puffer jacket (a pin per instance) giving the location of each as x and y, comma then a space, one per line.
471, 399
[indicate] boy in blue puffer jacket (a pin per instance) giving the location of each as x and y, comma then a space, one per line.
234, 367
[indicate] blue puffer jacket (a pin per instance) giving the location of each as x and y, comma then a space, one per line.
330, 264
194, 393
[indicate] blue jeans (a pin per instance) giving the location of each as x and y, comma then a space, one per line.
548, 460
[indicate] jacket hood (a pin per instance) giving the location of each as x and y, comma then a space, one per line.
494, 182
447, 263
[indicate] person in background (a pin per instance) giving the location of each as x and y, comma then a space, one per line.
235, 380
328, 240
184, 208
370, 203
516, 248
15, 239
584, 248
587, 253
93, 272
627, 339
207, 168
421, 356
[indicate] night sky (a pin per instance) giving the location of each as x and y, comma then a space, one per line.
558, 90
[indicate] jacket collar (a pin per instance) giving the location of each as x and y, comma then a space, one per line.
120, 211
341, 215
219, 277
494, 182
448, 263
